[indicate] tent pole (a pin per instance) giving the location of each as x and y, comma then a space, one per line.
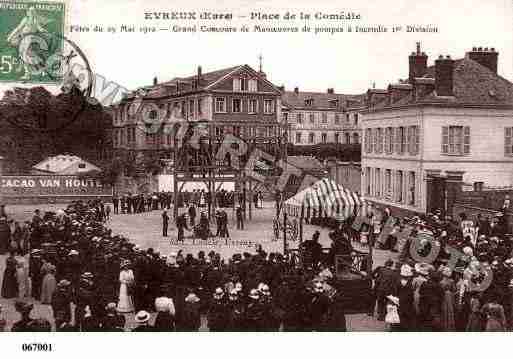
301, 230
284, 233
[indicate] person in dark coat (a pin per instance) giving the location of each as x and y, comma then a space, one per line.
218, 312
319, 309
386, 283
254, 312
25, 323
61, 303
165, 320
5, 235
190, 317
165, 223
239, 214
430, 303
181, 224
9, 282
35, 264
236, 312
192, 215
85, 298
112, 321
405, 292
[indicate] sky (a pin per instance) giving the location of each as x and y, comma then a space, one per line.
348, 62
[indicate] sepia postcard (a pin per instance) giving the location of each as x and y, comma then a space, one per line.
248, 168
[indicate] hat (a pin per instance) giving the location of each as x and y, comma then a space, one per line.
468, 251
23, 307
142, 317
73, 253
111, 307
253, 293
318, 287
192, 298
422, 268
87, 275
164, 304
393, 299
265, 288
406, 271
63, 283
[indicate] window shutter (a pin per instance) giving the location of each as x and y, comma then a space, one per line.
508, 141
445, 139
236, 84
466, 140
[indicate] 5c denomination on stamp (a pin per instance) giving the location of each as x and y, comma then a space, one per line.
31, 34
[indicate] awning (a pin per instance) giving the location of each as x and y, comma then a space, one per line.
325, 198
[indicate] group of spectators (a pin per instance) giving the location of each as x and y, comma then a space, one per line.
92, 279
450, 275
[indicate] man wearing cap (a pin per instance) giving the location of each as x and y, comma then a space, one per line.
61, 302
218, 312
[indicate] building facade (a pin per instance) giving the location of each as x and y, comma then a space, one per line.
447, 125
239, 99
316, 117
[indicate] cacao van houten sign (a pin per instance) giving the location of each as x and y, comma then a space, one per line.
52, 186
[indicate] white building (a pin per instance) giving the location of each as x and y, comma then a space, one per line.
448, 124
322, 117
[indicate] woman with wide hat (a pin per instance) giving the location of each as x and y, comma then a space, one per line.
126, 284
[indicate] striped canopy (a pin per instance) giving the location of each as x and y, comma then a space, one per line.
325, 198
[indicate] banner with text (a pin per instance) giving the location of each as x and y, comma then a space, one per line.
52, 186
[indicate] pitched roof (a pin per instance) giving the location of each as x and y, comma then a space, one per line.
65, 164
321, 100
305, 162
473, 85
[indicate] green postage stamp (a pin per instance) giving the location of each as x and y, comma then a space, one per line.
31, 39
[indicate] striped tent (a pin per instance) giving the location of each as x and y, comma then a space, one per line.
325, 198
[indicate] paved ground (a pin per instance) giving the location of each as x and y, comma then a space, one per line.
145, 230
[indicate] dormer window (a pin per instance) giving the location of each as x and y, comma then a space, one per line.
309, 102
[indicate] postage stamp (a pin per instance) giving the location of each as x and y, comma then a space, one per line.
31, 36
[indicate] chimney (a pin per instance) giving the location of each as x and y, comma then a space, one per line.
418, 64
331, 91
296, 90
199, 72
444, 76
486, 57
155, 81
281, 88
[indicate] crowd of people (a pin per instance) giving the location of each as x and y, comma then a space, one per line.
91, 278
466, 286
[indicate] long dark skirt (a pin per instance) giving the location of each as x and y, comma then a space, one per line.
9, 284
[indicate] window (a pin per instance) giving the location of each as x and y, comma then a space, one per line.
337, 139
309, 102
312, 118
411, 188
191, 108
337, 119
220, 104
169, 139
253, 106
268, 106
219, 131
333, 103
253, 86
367, 180
388, 140
199, 106
183, 108
243, 84
348, 139
324, 137
368, 140
374, 140
236, 84
399, 188
356, 138
298, 137
380, 140
311, 137
347, 117
324, 117
377, 182
456, 140
413, 140
299, 118
388, 184
401, 140
285, 116
508, 141
355, 119
236, 105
